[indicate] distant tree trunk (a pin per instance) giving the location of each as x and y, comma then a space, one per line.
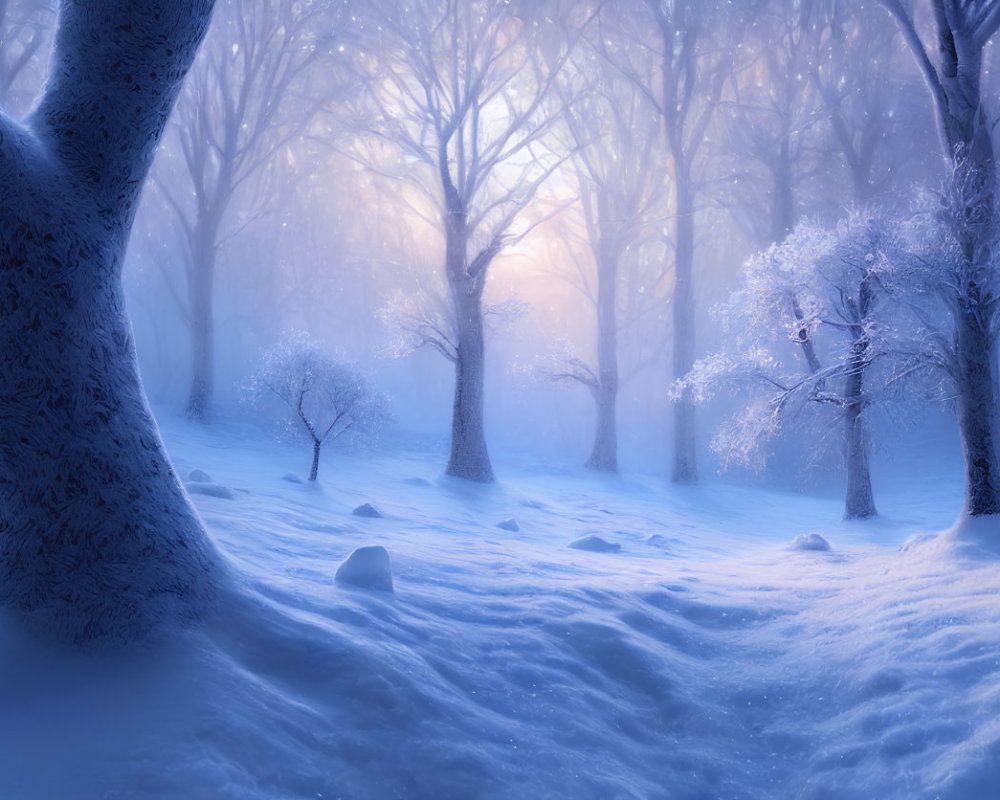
783, 215
201, 290
97, 538
605, 453
685, 468
314, 471
469, 458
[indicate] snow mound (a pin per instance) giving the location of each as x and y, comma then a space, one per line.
595, 544
810, 541
291, 477
416, 481
727, 666
509, 524
974, 537
367, 568
199, 476
367, 510
211, 489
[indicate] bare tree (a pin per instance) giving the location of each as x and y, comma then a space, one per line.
862, 97
693, 64
97, 538
963, 28
460, 87
248, 99
773, 121
614, 134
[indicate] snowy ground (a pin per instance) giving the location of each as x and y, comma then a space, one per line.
705, 659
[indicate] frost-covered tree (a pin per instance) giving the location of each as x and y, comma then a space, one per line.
316, 393
97, 538
824, 293
251, 93
952, 68
464, 89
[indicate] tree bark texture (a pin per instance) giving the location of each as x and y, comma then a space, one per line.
967, 141
469, 458
976, 405
976, 230
314, 470
97, 537
859, 501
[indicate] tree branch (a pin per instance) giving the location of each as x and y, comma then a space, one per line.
930, 74
117, 69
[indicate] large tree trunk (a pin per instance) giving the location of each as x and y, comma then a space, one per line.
977, 404
976, 221
469, 458
201, 293
967, 140
963, 30
685, 468
97, 538
783, 212
604, 456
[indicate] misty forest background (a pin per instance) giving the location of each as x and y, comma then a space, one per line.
601, 196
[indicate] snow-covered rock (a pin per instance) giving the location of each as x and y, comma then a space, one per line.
211, 489
367, 510
367, 568
509, 524
291, 477
199, 476
595, 544
810, 541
